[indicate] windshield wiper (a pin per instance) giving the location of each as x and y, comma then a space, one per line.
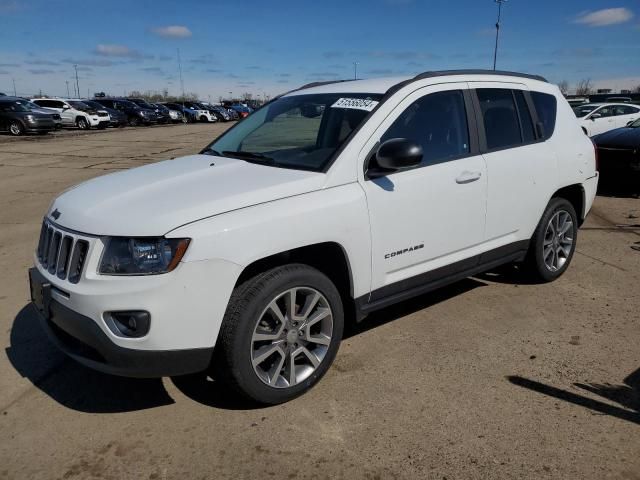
211, 151
249, 156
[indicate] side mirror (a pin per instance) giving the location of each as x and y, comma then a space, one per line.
595, 116
66, 107
398, 154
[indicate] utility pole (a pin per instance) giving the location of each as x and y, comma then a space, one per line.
180, 70
355, 70
67, 82
495, 52
77, 82
14, 87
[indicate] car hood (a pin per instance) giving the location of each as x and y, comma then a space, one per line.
619, 138
157, 198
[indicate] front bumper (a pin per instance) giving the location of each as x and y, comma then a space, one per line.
83, 340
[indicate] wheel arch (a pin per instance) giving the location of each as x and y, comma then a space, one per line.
329, 258
575, 194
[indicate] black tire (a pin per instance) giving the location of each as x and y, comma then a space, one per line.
134, 121
232, 362
16, 128
535, 265
82, 123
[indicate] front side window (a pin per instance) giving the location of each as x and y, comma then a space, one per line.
501, 125
437, 122
604, 112
299, 131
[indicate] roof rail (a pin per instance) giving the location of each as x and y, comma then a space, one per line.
444, 73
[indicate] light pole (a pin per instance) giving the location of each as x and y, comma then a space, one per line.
68, 94
15, 94
77, 83
495, 52
355, 70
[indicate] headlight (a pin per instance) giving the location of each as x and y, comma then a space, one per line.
142, 256
142, 113
30, 118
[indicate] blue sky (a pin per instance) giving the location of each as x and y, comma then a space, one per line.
267, 47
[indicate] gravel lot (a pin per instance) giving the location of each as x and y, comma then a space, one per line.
488, 378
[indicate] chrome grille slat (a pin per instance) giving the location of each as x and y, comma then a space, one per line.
62, 253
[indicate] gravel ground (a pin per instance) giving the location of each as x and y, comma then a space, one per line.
486, 379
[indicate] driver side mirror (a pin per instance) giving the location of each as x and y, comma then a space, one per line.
595, 116
66, 107
396, 154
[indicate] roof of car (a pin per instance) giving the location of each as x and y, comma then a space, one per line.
387, 84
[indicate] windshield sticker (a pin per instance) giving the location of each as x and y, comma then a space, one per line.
356, 104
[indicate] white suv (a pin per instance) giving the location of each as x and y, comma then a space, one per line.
597, 118
328, 203
75, 113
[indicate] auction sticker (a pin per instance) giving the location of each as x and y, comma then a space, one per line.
356, 104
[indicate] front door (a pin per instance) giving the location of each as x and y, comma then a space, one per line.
432, 216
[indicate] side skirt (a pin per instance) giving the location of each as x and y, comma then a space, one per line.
440, 277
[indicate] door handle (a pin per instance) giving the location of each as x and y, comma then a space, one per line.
468, 177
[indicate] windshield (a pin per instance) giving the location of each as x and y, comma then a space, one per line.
93, 104
142, 103
300, 131
79, 105
16, 106
584, 110
635, 124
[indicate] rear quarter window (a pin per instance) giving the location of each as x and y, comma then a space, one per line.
547, 110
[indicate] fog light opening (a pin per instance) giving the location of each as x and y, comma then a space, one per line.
133, 324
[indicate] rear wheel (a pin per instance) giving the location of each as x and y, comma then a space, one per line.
16, 128
280, 334
554, 241
134, 121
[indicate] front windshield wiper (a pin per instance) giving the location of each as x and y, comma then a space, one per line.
249, 156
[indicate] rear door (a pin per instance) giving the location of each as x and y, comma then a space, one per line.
521, 167
625, 114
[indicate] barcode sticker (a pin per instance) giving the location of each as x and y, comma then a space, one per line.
356, 104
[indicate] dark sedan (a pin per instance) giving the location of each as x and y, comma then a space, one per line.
619, 154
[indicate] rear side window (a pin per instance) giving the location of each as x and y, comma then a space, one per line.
547, 110
528, 133
502, 128
438, 122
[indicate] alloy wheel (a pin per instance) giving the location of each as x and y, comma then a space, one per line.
15, 128
558, 240
291, 338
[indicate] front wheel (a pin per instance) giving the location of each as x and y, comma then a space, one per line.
554, 241
280, 334
16, 128
82, 123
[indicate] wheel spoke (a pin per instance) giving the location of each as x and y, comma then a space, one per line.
290, 302
265, 352
319, 339
312, 358
316, 317
264, 335
310, 302
275, 309
290, 369
277, 368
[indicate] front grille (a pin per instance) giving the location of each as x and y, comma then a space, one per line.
61, 253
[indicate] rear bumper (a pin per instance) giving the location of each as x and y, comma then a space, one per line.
82, 339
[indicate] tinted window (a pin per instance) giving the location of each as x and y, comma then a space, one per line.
528, 133
438, 122
605, 112
625, 110
501, 124
547, 110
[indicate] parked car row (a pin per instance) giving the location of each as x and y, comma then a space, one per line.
597, 118
42, 115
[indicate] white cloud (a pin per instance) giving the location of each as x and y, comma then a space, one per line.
603, 18
172, 31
